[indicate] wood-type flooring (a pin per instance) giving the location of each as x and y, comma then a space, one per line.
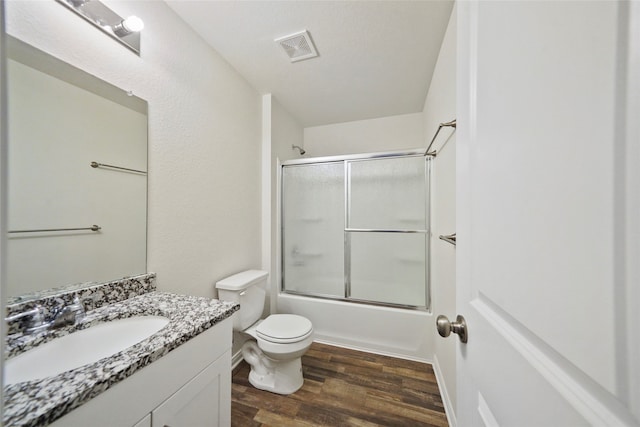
344, 387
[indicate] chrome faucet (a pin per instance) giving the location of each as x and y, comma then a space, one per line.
69, 314
33, 320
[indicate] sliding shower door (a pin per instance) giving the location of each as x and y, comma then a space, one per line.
312, 229
357, 229
386, 233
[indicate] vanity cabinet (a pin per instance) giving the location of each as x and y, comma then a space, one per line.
203, 401
189, 386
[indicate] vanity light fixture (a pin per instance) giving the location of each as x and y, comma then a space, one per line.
124, 30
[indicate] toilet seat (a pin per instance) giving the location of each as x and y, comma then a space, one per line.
284, 328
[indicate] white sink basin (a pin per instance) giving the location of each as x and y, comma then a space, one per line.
80, 348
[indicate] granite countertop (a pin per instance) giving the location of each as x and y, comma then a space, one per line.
40, 402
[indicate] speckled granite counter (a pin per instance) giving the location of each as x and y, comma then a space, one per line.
39, 402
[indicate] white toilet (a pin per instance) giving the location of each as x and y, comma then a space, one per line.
282, 339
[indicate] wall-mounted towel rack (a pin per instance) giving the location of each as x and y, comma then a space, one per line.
92, 228
450, 238
452, 124
104, 165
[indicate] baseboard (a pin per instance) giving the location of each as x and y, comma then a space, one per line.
236, 359
324, 340
446, 400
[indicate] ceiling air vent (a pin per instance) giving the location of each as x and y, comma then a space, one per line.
298, 46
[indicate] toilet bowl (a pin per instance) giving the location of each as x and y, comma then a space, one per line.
275, 355
278, 341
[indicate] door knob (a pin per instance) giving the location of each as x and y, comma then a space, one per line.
445, 327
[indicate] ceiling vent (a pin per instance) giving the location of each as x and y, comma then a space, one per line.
298, 46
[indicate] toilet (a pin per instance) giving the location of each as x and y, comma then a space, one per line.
280, 339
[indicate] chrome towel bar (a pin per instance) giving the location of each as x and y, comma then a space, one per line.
452, 124
104, 165
92, 228
450, 238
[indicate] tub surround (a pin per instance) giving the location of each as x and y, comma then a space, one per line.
39, 402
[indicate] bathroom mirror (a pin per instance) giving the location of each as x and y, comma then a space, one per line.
70, 222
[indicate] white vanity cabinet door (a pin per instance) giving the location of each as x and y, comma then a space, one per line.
145, 422
205, 401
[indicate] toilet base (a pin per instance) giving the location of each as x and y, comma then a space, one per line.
282, 378
276, 376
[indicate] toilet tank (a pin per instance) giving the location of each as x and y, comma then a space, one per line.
247, 289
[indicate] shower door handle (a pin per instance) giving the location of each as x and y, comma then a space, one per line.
445, 327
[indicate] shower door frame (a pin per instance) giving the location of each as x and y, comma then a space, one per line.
345, 159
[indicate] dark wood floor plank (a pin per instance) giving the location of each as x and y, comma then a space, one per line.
414, 373
344, 387
345, 390
271, 419
420, 385
416, 414
318, 354
348, 362
269, 401
319, 364
243, 416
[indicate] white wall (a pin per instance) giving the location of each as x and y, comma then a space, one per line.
283, 131
279, 130
440, 106
365, 136
204, 136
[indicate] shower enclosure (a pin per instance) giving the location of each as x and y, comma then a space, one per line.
356, 228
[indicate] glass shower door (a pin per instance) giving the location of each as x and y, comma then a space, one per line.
313, 212
357, 230
387, 230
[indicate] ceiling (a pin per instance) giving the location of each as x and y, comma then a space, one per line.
376, 58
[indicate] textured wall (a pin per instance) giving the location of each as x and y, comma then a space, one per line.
204, 136
285, 131
440, 106
365, 136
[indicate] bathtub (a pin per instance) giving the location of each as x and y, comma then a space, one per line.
396, 332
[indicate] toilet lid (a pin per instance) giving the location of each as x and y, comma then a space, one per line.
284, 328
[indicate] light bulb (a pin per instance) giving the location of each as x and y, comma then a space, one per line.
132, 24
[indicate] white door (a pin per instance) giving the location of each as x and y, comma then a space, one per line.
548, 213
